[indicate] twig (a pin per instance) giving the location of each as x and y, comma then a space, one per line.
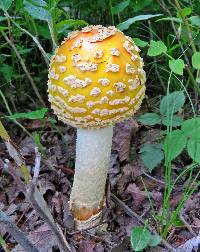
40, 205
186, 25
14, 153
155, 179
42, 209
132, 214
37, 165
24, 68
181, 215
16, 233
46, 58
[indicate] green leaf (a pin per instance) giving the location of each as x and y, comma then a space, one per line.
174, 121
174, 101
174, 144
6, 71
139, 42
37, 114
193, 148
156, 48
195, 20
196, 60
125, 25
154, 240
37, 12
151, 155
174, 19
140, 237
120, 7
149, 119
37, 140
3, 244
68, 24
191, 128
5, 4
184, 12
177, 66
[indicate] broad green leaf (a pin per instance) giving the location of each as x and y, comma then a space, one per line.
184, 12
120, 7
6, 71
149, 119
68, 24
154, 240
174, 121
174, 101
125, 25
196, 60
156, 48
177, 66
191, 128
37, 12
140, 237
139, 42
37, 114
5, 4
174, 144
151, 155
193, 148
195, 20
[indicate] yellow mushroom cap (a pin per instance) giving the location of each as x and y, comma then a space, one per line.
96, 78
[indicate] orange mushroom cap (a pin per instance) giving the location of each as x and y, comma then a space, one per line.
96, 78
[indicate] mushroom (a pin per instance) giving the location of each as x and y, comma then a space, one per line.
96, 79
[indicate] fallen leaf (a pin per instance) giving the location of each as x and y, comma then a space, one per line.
123, 133
42, 238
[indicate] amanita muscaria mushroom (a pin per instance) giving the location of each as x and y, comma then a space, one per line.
96, 79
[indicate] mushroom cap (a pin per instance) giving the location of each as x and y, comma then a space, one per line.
96, 78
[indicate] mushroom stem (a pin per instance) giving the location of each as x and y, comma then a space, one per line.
92, 160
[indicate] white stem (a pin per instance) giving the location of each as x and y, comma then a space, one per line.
93, 151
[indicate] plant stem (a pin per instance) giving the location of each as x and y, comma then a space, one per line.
186, 25
24, 68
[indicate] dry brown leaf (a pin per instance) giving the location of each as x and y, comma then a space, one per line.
123, 133
42, 238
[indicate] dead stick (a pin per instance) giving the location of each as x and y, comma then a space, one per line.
130, 212
18, 235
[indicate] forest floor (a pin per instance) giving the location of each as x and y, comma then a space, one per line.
125, 191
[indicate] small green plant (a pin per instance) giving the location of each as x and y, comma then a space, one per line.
141, 238
153, 154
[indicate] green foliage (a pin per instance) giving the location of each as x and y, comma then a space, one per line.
150, 119
156, 48
37, 11
125, 25
172, 103
141, 238
196, 60
5, 4
177, 66
174, 144
3, 244
151, 155
139, 42
37, 114
120, 7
